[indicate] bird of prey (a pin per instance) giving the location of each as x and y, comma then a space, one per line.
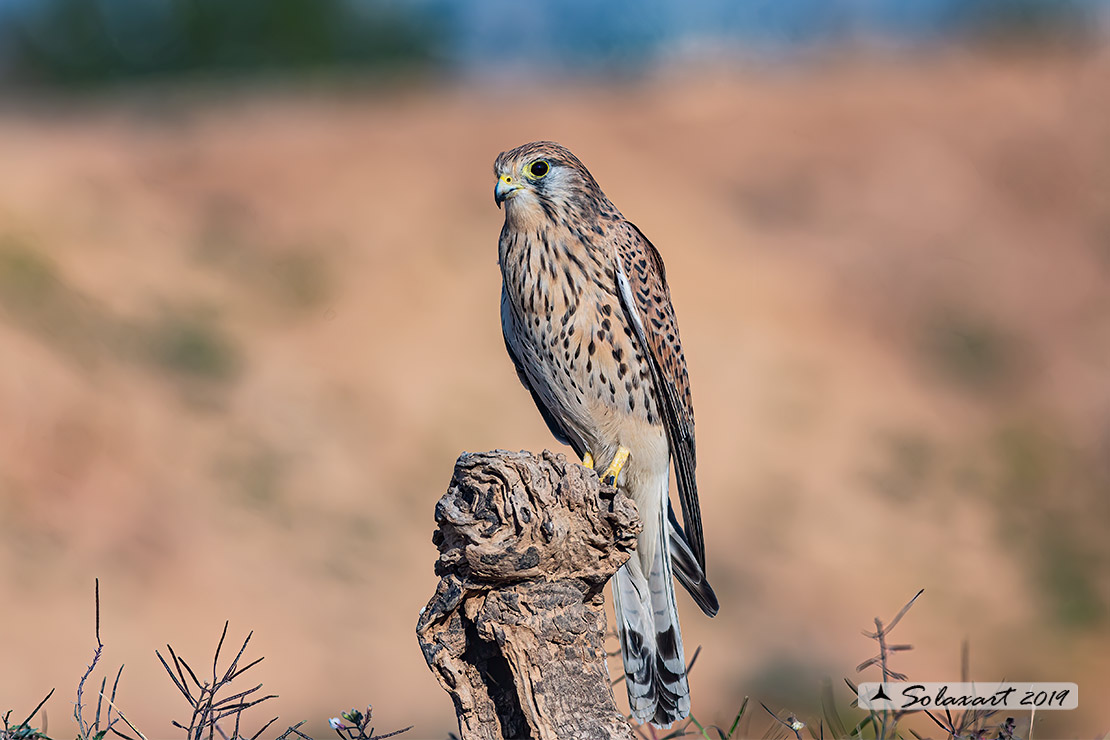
587, 319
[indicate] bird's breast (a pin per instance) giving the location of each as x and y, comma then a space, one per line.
573, 337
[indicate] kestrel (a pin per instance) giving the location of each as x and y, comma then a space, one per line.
588, 322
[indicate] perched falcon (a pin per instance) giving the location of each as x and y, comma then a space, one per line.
587, 319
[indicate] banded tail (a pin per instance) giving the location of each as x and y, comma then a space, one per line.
647, 622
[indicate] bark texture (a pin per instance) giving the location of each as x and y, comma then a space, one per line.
515, 632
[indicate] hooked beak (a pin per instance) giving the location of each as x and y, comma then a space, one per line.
505, 188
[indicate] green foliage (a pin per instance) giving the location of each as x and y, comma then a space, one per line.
26, 276
1025, 21
35, 297
192, 346
187, 344
1029, 459
1068, 575
712, 732
300, 281
23, 730
779, 677
972, 353
355, 725
1066, 564
90, 42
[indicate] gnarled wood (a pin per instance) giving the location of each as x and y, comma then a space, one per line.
515, 632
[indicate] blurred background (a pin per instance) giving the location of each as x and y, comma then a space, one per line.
249, 318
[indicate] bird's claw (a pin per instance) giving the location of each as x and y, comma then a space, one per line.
609, 477
588, 461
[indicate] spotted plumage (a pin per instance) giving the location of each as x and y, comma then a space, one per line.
588, 322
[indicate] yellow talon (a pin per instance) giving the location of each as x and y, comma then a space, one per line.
588, 461
615, 467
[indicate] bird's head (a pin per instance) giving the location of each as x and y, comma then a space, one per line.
543, 180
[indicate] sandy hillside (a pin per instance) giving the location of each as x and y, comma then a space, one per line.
244, 337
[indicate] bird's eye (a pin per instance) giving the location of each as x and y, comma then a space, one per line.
538, 169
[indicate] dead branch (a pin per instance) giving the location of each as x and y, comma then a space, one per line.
515, 632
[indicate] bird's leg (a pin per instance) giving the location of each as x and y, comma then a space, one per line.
609, 477
588, 461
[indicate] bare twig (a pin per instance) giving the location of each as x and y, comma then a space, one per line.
103, 721
884, 725
208, 706
23, 730
791, 722
78, 711
31, 716
111, 705
292, 731
256, 735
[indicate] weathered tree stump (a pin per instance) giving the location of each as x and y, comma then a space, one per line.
515, 632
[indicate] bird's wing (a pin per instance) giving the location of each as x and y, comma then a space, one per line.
646, 299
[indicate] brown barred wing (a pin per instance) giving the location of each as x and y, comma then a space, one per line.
646, 299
